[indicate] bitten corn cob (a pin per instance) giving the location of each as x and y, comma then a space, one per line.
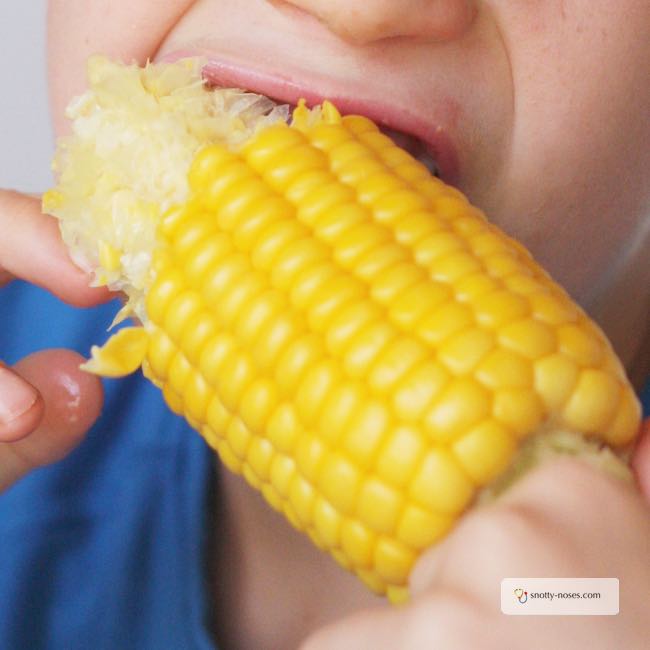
347, 331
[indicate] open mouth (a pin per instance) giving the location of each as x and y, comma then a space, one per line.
412, 144
429, 144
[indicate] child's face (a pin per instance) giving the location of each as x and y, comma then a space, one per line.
538, 108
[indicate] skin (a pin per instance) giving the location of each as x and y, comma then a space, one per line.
549, 114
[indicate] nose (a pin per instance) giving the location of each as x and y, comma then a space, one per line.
365, 21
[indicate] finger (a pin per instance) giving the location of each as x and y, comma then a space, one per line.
31, 248
21, 406
641, 460
510, 515
72, 401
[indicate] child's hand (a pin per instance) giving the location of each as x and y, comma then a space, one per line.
564, 520
46, 402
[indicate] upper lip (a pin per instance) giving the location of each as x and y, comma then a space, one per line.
386, 112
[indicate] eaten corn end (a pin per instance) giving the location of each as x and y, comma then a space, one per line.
346, 330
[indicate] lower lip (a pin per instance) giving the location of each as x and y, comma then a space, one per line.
434, 138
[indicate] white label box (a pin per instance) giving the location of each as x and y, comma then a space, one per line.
560, 596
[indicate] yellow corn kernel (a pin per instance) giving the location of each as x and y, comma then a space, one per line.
551, 308
462, 352
217, 417
400, 455
257, 404
420, 528
440, 484
412, 304
196, 397
443, 321
309, 454
555, 379
528, 337
485, 451
282, 471
519, 409
580, 412
365, 431
317, 382
239, 438
357, 340
417, 390
625, 425
500, 307
579, 345
183, 312
503, 368
379, 505
463, 403
339, 482
301, 496
168, 283
123, 354
392, 559
358, 543
342, 404
394, 362
161, 352
327, 523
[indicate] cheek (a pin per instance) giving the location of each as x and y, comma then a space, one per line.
576, 184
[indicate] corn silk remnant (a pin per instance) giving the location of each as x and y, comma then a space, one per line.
134, 134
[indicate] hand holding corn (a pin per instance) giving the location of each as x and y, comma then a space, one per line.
46, 402
563, 519
347, 331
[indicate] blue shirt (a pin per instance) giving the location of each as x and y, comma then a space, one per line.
106, 549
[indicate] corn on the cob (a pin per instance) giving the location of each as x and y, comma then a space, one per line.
354, 337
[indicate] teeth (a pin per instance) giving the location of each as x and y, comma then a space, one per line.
428, 161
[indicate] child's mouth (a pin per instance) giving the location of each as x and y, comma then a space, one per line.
429, 143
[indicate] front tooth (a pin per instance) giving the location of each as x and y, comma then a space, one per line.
429, 162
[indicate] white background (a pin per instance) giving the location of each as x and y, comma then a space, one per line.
26, 140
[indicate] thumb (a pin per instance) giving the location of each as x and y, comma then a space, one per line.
67, 403
523, 526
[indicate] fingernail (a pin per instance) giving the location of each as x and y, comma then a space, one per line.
16, 396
